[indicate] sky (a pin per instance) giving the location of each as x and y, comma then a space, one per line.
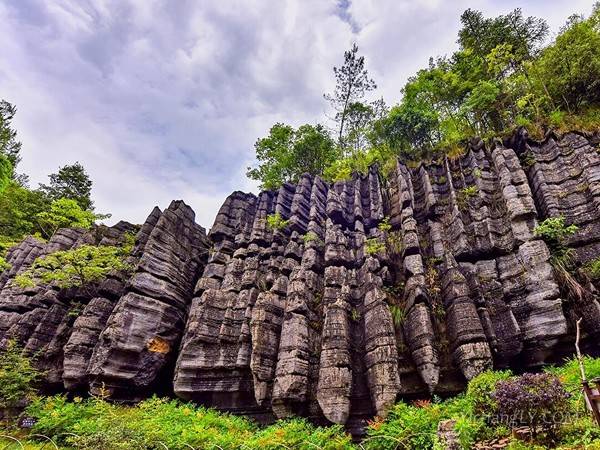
164, 99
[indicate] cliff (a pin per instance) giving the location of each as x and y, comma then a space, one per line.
377, 288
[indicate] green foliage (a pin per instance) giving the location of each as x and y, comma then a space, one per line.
359, 162
4, 265
70, 182
6, 171
374, 246
592, 268
286, 154
75, 267
352, 84
398, 314
570, 375
10, 148
465, 194
481, 387
65, 213
554, 230
19, 208
311, 236
17, 377
276, 223
94, 423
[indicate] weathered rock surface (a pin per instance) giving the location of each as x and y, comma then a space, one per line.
376, 288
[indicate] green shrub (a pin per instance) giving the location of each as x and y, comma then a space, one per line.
17, 377
480, 389
570, 375
405, 427
311, 236
592, 269
276, 223
299, 434
4, 265
553, 230
158, 422
75, 267
374, 246
66, 212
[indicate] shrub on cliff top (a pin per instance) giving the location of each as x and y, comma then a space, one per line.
75, 267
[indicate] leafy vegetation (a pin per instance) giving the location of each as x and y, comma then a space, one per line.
157, 422
75, 267
65, 212
70, 182
553, 399
276, 223
532, 399
64, 202
17, 377
286, 154
502, 77
477, 415
554, 230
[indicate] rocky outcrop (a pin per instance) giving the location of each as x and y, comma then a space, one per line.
368, 290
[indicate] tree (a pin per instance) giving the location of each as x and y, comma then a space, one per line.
9, 146
285, 154
70, 182
482, 35
570, 68
76, 267
19, 208
64, 213
352, 83
6, 171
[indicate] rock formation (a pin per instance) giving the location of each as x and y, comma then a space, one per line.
381, 287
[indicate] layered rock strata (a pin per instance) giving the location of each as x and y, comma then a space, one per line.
363, 291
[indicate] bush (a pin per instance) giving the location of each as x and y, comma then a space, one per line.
480, 389
553, 230
17, 377
276, 223
534, 400
75, 267
63, 213
157, 422
592, 269
374, 246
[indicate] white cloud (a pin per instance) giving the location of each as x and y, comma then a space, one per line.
163, 100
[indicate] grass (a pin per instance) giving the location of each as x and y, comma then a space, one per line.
159, 423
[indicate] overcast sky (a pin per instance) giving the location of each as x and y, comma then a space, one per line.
164, 99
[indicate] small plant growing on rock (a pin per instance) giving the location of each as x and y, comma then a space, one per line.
374, 246
385, 224
592, 269
398, 314
276, 223
311, 236
553, 230
4, 265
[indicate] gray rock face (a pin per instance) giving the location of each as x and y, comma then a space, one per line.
376, 288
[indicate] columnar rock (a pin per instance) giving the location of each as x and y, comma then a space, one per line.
332, 300
143, 332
